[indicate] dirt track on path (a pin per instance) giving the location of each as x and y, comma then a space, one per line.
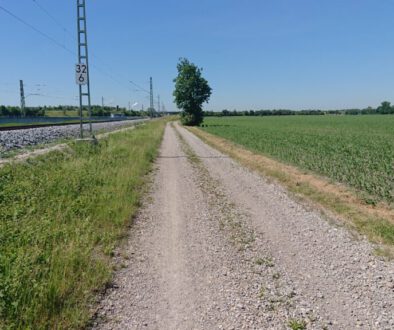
218, 247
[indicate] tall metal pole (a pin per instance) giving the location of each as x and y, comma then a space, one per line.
23, 103
83, 58
80, 61
151, 97
158, 103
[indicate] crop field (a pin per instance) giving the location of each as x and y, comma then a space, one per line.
355, 150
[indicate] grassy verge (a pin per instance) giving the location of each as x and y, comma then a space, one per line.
375, 222
11, 154
61, 218
8, 155
68, 113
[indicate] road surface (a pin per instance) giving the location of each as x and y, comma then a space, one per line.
216, 246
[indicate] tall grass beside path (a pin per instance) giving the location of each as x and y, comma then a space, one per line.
61, 216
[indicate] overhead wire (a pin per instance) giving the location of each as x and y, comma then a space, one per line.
141, 89
57, 43
54, 19
64, 47
59, 24
43, 34
57, 97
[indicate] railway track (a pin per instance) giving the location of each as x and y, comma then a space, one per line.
21, 136
21, 127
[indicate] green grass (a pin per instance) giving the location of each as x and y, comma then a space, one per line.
61, 216
297, 325
264, 261
68, 113
355, 150
374, 222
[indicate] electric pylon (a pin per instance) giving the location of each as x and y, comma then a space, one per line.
83, 59
151, 98
23, 103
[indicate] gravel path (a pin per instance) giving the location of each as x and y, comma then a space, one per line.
219, 247
29, 137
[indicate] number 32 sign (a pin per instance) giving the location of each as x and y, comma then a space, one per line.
81, 74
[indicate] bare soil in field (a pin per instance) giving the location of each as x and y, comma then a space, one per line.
216, 246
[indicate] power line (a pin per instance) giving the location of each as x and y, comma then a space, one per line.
59, 97
111, 76
54, 41
142, 89
57, 43
54, 19
58, 23
62, 46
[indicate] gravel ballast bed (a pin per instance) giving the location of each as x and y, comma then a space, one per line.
10, 140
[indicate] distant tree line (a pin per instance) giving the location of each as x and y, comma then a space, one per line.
383, 109
10, 111
98, 111
16, 112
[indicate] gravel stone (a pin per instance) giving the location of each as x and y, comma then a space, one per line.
18, 139
219, 247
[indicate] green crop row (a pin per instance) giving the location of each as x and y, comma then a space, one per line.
356, 150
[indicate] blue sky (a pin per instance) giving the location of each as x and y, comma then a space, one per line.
256, 54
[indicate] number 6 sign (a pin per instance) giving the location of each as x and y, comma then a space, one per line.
81, 74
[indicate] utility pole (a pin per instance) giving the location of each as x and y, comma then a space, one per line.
23, 104
158, 103
102, 101
151, 97
82, 71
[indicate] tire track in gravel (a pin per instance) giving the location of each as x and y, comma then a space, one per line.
217, 247
338, 275
186, 265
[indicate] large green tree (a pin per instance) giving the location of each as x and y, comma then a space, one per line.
191, 92
385, 108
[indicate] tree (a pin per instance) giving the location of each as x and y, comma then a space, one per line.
225, 112
191, 92
384, 108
